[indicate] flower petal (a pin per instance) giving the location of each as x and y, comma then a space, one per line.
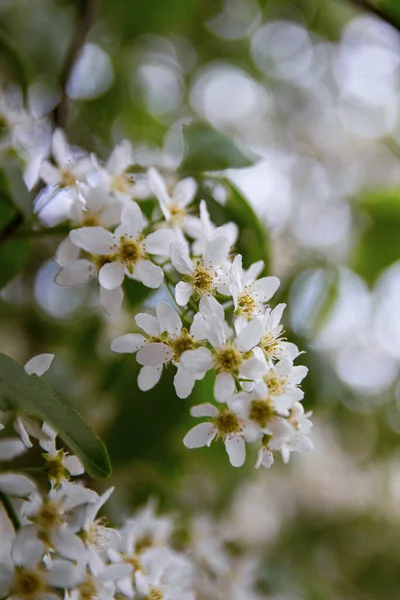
38, 365
149, 274
75, 273
154, 354
10, 448
180, 258
111, 300
149, 377
216, 333
265, 288
184, 382
216, 251
49, 173
224, 387
94, 240
159, 189
184, 191
64, 574
120, 158
199, 435
74, 466
67, 544
159, 242
111, 275
16, 485
199, 360
208, 305
204, 410
66, 252
236, 272
183, 291
60, 148
128, 343
168, 318
250, 335
27, 550
148, 323
236, 449
132, 219
198, 327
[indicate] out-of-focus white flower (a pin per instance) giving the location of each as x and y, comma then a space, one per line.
173, 206
282, 383
114, 174
60, 465
70, 166
203, 230
96, 206
166, 575
166, 341
272, 344
231, 358
16, 485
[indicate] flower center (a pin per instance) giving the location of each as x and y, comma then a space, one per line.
55, 467
68, 178
247, 305
27, 584
177, 214
154, 594
202, 280
275, 383
182, 343
90, 219
227, 423
134, 561
270, 346
47, 518
228, 359
130, 251
261, 412
121, 183
87, 590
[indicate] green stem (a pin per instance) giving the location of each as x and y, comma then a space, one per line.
10, 511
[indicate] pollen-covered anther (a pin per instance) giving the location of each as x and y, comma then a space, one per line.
228, 359
246, 304
130, 251
87, 590
274, 382
182, 343
261, 412
28, 584
154, 594
228, 423
177, 213
202, 280
68, 178
121, 183
47, 519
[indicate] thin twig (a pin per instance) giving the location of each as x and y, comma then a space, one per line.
378, 12
82, 27
10, 511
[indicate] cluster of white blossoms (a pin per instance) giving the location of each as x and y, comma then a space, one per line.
220, 320
61, 548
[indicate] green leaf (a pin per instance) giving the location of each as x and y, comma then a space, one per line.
209, 150
253, 242
20, 391
14, 253
379, 242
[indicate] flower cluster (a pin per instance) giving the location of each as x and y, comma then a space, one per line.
220, 319
62, 548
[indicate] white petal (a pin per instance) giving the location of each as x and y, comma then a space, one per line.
184, 191
132, 219
38, 365
276, 315
20, 429
204, 410
67, 544
216, 251
115, 571
184, 382
159, 189
111, 300
148, 323
149, 377
10, 448
111, 275
120, 158
264, 458
265, 288
236, 449
250, 335
216, 331
49, 173
199, 360
183, 291
63, 574
168, 318
149, 274
253, 368
199, 435
60, 148
95, 240
224, 387
159, 242
208, 305
154, 354
198, 327
75, 273
74, 466
27, 550
180, 258
253, 272
6, 580
16, 485
236, 272
128, 343
66, 252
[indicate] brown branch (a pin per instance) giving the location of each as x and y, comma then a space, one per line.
378, 12
83, 24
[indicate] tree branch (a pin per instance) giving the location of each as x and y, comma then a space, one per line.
83, 24
378, 12
11, 228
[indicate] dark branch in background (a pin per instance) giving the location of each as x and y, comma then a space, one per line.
85, 17
378, 12
11, 228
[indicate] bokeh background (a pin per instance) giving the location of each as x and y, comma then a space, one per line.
309, 91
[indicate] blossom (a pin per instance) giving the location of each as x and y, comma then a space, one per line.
203, 230
250, 294
95, 206
173, 206
70, 166
231, 358
166, 341
113, 175
224, 423
282, 384
204, 276
272, 343
59, 464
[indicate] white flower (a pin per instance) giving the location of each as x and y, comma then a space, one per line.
95, 206
24, 426
272, 343
70, 166
173, 206
11, 448
282, 381
204, 276
224, 423
113, 256
113, 175
231, 358
166, 575
98, 583
250, 294
203, 230
27, 578
60, 465
16, 485
166, 341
